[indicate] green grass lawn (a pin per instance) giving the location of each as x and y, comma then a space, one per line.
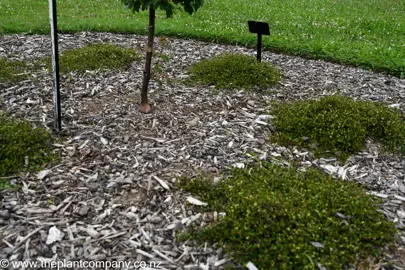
366, 33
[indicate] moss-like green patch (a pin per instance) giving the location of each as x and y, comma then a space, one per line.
234, 71
22, 147
338, 125
94, 57
4, 185
12, 71
279, 218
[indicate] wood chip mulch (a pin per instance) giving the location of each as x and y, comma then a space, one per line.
112, 196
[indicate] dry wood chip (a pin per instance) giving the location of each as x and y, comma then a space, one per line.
144, 253
54, 235
42, 174
161, 182
251, 266
196, 201
102, 191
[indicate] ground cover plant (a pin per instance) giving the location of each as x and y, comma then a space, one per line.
349, 31
4, 185
279, 218
12, 71
234, 71
90, 57
338, 125
22, 147
95, 57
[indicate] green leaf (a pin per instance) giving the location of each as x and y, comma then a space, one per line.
190, 6
165, 58
164, 5
158, 69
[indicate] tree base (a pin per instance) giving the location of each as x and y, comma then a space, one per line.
145, 108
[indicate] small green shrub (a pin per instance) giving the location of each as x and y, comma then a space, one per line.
279, 218
95, 56
234, 71
12, 71
338, 125
20, 143
4, 184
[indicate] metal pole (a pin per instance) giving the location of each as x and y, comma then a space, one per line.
259, 47
55, 65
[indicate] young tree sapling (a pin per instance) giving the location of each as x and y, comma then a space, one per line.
190, 6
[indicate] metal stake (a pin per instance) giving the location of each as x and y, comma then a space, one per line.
55, 65
259, 47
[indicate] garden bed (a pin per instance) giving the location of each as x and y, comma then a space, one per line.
113, 193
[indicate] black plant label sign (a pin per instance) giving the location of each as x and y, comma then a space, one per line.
259, 28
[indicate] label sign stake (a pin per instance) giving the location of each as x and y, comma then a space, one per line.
55, 65
259, 28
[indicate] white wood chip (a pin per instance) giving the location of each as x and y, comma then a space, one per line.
401, 198
42, 174
161, 182
251, 266
401, 214
144, 253
104, 140
92, 232
342, 172
238, 165
83, 144
317, 244
379, 195
54, 235
195, 201
163, 256
330, 168
220, 262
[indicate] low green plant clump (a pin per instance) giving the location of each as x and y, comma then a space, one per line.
12, 71
279, 218
338, 125
234, 71
96, 56
4, 185
22, 147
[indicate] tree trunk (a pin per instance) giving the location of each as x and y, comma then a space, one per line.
145, 107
